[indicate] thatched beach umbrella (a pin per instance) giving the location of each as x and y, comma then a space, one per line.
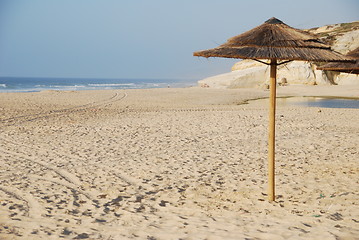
274, 41
344, 66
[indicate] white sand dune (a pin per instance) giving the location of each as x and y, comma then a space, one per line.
176, 164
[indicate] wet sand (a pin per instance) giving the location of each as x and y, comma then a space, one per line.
176, 164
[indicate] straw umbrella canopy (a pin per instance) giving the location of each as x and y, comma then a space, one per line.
344, 66
274, 41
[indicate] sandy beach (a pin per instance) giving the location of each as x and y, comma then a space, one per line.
186, 163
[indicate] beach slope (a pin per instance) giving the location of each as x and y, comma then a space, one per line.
176, 164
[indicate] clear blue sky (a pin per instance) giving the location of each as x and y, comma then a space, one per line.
140, 38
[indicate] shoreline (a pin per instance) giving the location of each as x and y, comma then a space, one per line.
174, 163
20, 84
295, 89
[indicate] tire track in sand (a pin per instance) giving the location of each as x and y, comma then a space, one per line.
34, 208
71, 181
54, 113
70, 178
64, 174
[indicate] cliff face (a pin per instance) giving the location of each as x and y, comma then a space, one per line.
248, 73
342, 37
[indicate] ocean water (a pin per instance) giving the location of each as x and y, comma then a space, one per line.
328, 102
16, 84
320, 102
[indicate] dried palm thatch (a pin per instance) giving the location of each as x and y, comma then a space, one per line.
275, 40
344, 67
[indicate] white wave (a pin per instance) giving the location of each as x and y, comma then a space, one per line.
59, 86
111, 84
3, 85
69, 86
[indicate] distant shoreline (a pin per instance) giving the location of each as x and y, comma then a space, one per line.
29, 84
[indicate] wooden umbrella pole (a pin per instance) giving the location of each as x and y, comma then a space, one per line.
271, 136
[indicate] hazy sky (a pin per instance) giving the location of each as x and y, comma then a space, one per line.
140, 38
